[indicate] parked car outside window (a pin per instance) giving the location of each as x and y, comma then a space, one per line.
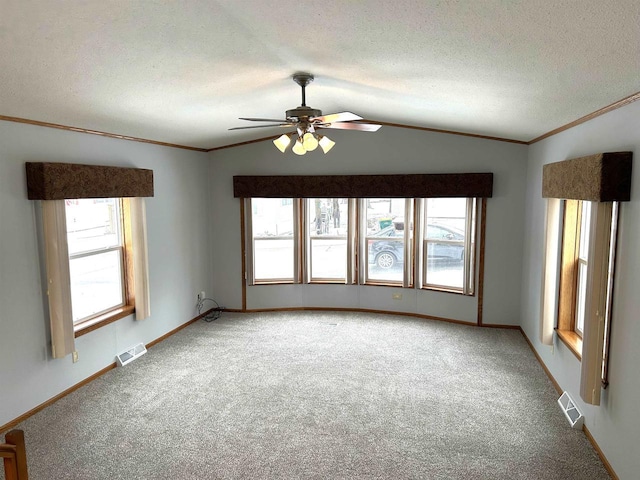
445, 244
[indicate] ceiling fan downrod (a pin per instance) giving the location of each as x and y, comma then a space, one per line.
303, 79
302, 113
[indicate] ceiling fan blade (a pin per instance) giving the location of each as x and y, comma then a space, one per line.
338, 117
263, 120
363, 127
264, 126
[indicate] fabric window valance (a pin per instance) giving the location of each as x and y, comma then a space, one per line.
365, 186
59, 181
603, 177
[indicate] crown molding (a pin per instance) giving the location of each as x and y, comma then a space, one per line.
590, 116
614, 106
239, 144
96, 132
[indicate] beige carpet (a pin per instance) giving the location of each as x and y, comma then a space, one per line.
316, 395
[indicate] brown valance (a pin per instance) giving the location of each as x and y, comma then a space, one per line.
365, 186
604, 177
58, 181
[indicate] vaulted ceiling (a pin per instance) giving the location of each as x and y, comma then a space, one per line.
183, 72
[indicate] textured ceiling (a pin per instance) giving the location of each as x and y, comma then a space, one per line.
182, 72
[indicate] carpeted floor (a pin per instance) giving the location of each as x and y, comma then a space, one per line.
316, 395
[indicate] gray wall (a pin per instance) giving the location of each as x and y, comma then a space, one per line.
615, 424
390, 150
179, 259
194, 245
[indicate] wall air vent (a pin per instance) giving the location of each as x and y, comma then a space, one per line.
570, 410
131, 354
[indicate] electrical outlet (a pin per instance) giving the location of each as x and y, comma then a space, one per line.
74, 357
396, 296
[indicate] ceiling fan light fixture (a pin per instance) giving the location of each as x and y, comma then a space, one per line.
282, 142
298, 148
325, 143
309, 142
306, 119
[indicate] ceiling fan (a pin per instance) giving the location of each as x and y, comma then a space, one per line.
307, 120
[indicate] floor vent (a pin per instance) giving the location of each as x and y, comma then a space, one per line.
570, 410
130, 355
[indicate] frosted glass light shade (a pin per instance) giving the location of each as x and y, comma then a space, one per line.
326, 143
282, 142
298, 148
309, 142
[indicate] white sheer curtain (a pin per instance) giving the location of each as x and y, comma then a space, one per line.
58, 279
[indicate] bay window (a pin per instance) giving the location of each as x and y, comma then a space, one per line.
318, 240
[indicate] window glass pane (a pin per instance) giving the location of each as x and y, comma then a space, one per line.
273, 240
92, 224
445, 241
384, 240
583, 252
585, 224
96, 283
581, 296
328, 237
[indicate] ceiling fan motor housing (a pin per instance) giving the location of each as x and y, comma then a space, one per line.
303, 113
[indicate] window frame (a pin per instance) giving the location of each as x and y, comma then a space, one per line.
308, 237
357, 247
469, 247
407, 247
568, 280
95, 252
128, 307
297, 207
567, 328
581, 268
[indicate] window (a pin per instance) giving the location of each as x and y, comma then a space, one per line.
580, 254
96, 256
581, 259
318, 240
449, 243
386, 244
96, 267
108, 258
327, 238
581, 266
274, 247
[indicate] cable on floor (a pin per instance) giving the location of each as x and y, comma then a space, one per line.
216, 309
